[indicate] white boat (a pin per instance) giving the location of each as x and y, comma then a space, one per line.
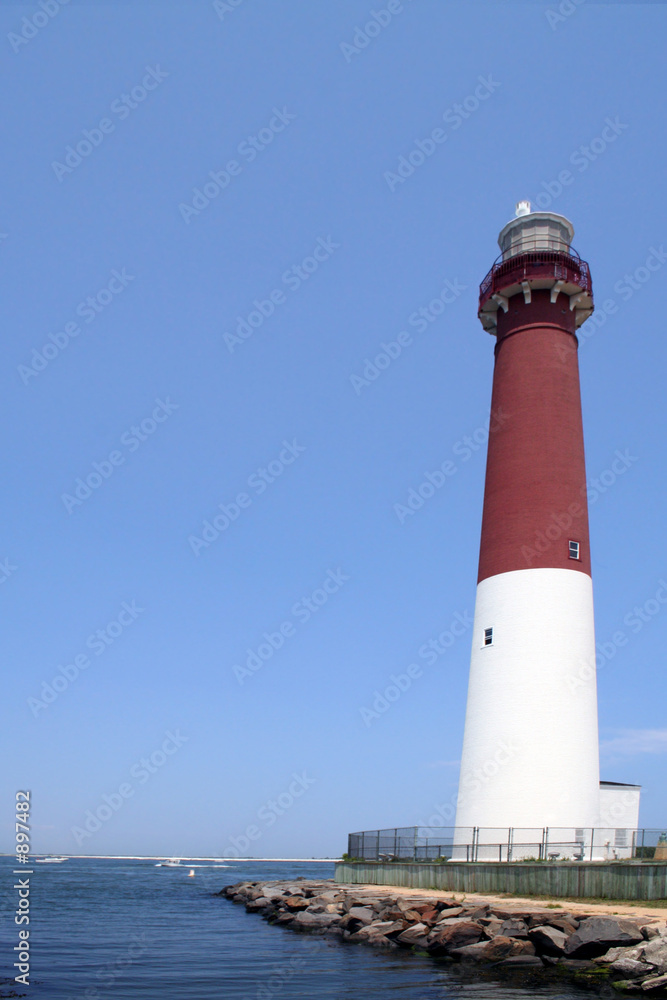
49, 861
171, 863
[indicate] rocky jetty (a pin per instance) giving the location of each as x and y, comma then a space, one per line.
629, 955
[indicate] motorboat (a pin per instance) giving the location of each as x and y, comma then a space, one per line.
49, 861
170, 863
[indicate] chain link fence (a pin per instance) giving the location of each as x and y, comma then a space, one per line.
440, 844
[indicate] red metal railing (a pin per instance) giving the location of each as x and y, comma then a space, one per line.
564, 265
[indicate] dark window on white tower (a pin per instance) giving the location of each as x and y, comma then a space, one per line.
574, 550
488, 636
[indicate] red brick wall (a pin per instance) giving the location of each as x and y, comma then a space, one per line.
535, 474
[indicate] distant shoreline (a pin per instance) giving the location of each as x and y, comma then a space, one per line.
165, 857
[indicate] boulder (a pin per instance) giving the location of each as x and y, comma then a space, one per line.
391, 913
273, 894
515, 928
365, 914
253, 894
492, 927
655, 952
450, 913
630, 968
470, 952
429, 916
311, 921
414, 936
295, 903
505, 947
475, 912
521, 960
329, 896
257, 903
596, 935
382, 929
442, 940
404, 904
654, 983
548, 940
421, 908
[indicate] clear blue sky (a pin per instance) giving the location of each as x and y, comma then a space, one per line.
310, 211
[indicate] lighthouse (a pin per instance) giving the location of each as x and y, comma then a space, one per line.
530, 756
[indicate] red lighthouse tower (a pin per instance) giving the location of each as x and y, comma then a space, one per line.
530, 755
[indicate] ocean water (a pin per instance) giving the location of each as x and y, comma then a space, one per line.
103, 929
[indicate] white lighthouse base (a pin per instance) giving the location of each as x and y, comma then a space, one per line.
530, 751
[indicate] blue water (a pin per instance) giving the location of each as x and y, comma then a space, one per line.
103, 929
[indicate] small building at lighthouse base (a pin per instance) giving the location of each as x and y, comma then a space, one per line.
614, 836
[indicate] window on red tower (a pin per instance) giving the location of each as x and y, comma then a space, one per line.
574, 550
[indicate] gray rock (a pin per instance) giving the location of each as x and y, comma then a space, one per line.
655, 983
363, 913
257, 903
521, 960
380, 929
655, 952
492, 925
415, 935
329, 896
305, 920
514, 928
470, 952
548, 940
596, 935
630, 968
